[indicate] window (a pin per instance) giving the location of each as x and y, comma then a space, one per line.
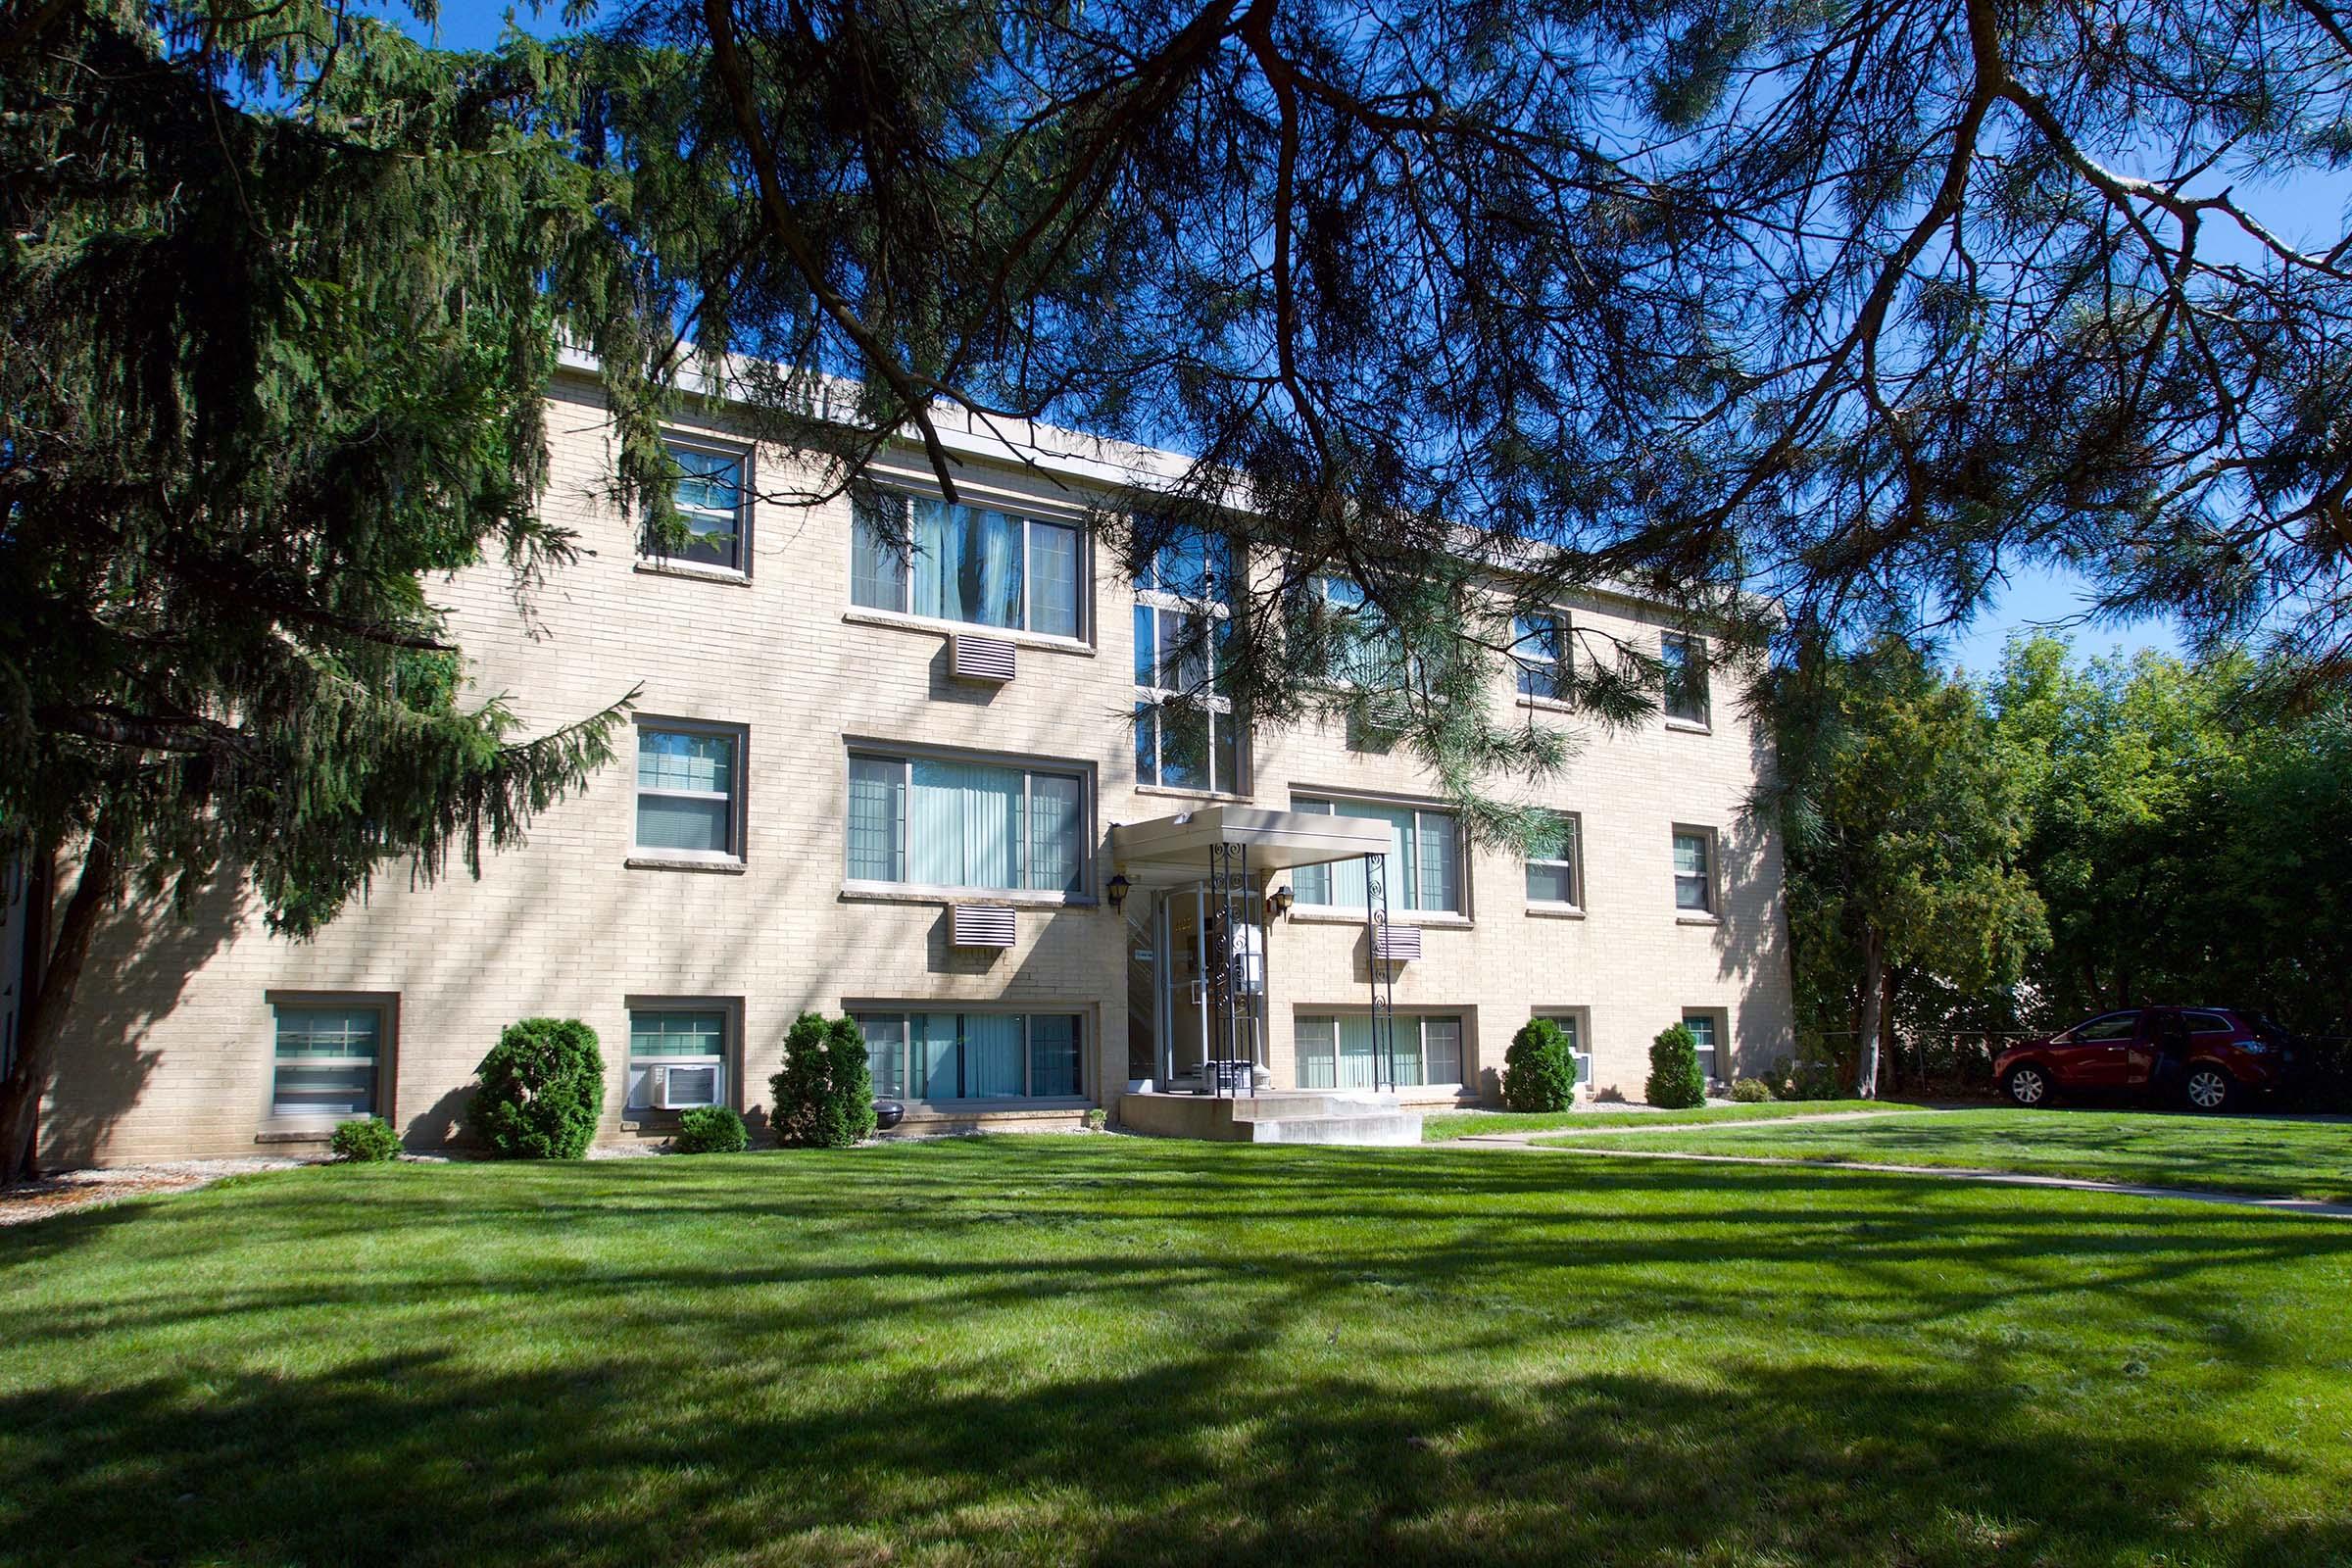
973, 1055
1539, 649
968, 565
1552, 865
327, 1060
1424, 869
2107, 1026
1694, 871
1186, 734
693, 1039
958, 824
686, 792
708, 494
1341, 1052
2210, 1024
1705, 1028
1572, 1024
1355, 647
1685, 660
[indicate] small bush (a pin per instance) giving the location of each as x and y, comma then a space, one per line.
542, 1091
711, 1130
1674, 1082
1806, 1080
1751, 1090
367, 1142
823, 1096
1538, 1071
1098, 1120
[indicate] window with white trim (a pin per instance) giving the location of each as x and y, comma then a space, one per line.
1424, 862
689, 788
688, 1043
1554, 878
956, 823
938, 1056
328, 1061
706, 489
1694, 870
974, 566
1186, 734
1706, 1029
1540, 652
1340, 1050
1685, 660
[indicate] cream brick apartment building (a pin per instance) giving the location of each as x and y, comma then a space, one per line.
814, 789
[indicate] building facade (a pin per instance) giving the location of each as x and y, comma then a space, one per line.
830, 795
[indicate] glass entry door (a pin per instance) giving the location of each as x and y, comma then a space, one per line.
1184, 983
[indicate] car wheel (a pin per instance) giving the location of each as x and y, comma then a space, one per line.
2208, 1088
2028, 1085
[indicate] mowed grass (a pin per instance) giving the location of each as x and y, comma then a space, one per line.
1121, 1351
1446, 1125
2227, 1153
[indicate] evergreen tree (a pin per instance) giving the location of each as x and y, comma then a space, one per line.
280, 292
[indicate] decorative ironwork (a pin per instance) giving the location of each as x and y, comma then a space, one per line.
1384, 985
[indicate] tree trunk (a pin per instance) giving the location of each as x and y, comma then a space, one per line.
43, 1024
1874, 979
1890, 1053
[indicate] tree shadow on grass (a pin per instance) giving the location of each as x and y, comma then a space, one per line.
1210, 1454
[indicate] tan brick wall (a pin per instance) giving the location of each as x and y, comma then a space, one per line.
170, 1048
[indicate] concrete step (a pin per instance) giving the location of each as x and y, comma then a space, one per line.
1281, 1104
1395, 1129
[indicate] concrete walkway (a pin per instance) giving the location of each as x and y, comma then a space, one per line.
1950, 1173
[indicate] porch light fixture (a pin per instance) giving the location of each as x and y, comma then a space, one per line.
1117, 889
1280, 901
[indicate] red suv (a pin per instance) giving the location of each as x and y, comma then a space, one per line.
2210, 1056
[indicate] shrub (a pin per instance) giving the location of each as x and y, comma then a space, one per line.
1538, 1071
1751, 1090
365, 1141
1098, 1120
1675, 1083
822, 1097
542, 1091
1806, 1080
711, 1130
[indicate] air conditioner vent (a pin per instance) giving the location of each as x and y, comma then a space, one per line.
983, 658
981, 925
1396, 944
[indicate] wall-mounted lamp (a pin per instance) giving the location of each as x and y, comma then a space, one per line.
1280, 901
1119, 890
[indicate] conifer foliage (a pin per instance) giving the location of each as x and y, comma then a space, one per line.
824, 1096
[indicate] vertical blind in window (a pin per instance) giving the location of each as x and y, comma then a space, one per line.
972, 1056
1423, 863
686, 791
327, 1060
1341, 1051
965, 563
965, 824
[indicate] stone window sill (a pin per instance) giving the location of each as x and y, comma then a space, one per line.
1697, 919
1431, 919
666, 862
910, 893
1555, 911
694, 573
1036, 641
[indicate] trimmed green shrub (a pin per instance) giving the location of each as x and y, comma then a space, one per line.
1538, 1071
1675, 1081
1098, 1120
711, 1130
822, 1097
542, 1091
1751, 1090
366, 1142
1806, 1080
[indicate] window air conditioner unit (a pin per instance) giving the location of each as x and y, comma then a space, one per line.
982, 659
981, 925
1396, 944
680, 1088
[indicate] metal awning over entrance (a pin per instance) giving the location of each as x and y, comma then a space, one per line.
1197, 937
1171, 850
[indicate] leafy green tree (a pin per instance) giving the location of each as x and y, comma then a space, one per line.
1538, 1071
1904, 820
824, 1096
280, 292
1674, 1080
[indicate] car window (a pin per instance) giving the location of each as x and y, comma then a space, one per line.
2106, 1026
2210, 1024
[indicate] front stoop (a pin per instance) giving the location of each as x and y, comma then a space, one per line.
1280, 1117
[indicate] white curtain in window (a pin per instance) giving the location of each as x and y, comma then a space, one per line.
886, 1055
877, 568
967, 565
1053, 579
1313, 1039
991, 1055
964, 822
1053, 817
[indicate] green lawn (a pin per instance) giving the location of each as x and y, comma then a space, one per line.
2233, 1154
1445, 1125
1113, 1349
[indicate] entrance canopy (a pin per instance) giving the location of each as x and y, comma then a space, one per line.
1171, 850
